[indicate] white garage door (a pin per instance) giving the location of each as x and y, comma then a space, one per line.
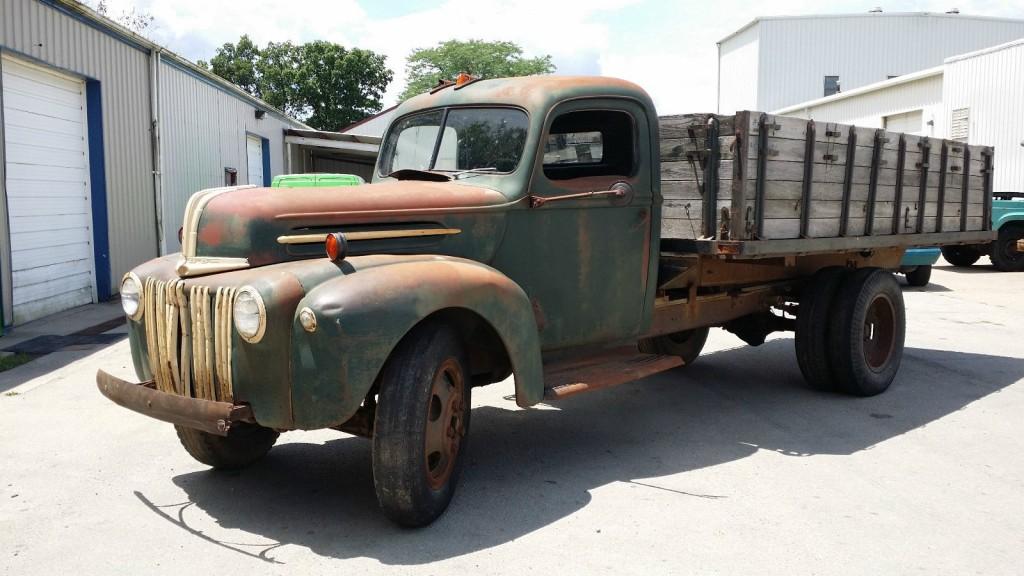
47, 183
254, 156
909, 122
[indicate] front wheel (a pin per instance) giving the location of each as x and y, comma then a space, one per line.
244, 444
1005, 256
422, 420
867, 333
961, 256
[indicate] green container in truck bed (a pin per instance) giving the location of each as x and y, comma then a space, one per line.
315, 180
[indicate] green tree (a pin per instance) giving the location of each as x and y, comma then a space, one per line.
136, 20
321, 83
426, 66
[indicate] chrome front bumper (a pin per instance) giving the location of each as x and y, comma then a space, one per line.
206, 415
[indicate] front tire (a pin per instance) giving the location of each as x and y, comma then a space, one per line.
919, 276
422, 420
867, 333
244, 445
961, 256
1005, 256
686, 344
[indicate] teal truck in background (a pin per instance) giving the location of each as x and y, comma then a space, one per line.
916, 265
1008, 219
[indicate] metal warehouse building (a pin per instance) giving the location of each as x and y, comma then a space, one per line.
976, 97
774, 62
103, 137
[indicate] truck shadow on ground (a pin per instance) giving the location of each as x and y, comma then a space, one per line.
981, 267
530, 468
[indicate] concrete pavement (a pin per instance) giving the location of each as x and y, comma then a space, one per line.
728, 466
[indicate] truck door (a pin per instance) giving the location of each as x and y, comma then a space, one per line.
582, 258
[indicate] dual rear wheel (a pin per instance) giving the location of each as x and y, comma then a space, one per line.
850, 330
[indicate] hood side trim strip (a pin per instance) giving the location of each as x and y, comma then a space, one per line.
367, 235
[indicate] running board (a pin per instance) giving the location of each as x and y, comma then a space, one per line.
604, 369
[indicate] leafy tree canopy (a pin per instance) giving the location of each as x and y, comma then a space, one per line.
426, 66
320, 83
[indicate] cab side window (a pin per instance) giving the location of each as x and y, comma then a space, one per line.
590, 143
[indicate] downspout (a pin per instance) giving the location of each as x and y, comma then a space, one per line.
158, 178
718, 81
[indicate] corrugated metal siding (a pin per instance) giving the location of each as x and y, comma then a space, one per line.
796, 53
738, 71
203, 131
870, 108
30, 28
991, 86
340, 166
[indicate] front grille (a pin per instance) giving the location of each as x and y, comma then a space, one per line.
188, 336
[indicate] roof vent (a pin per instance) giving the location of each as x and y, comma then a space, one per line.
875, 10
953, 11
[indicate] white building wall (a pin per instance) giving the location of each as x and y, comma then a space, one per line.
796, 53
738, 70
203, 131
868, 108
990, 84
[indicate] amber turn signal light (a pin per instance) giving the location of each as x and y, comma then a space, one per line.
463, 79
337, 246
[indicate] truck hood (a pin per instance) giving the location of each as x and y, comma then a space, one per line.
244, 227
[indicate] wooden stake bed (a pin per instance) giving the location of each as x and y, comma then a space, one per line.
755, 184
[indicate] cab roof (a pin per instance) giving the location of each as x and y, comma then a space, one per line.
534, 93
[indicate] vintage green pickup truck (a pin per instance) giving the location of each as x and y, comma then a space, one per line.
552, 229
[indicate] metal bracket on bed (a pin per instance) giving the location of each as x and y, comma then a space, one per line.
926, 148
901, 162
876, 158
806, 185
713, 149
943, 164
851, 152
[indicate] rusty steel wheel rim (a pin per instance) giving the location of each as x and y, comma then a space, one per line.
446, 418
879, 332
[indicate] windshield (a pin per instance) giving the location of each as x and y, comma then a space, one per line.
484, 139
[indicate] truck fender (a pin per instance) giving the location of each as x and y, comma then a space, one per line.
362, 315
1007, 217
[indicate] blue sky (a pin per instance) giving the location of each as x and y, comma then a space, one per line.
666, 46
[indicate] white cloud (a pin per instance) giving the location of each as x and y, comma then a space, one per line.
666, 46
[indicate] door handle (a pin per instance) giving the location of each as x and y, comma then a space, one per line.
618, 190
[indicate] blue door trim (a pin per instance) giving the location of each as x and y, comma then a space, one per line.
265, 147
98, 186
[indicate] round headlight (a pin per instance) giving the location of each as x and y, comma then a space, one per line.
250, 314
131, 296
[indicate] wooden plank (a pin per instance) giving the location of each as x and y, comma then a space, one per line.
685, 171
829, 227
690, 190
680, 149
681, 125
828, 153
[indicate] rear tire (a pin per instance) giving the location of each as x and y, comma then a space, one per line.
812, 320
919, 276
867, 333
421, 425
1005, 256
961, 256
687, 344
244, 445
